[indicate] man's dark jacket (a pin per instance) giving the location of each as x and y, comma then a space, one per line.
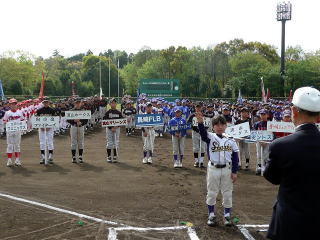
294, 164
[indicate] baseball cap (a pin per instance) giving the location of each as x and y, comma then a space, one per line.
149, 104
112, 100
307, 98
286, 113
13, 100
177, 109
263, 111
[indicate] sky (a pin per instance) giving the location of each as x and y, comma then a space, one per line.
74, 26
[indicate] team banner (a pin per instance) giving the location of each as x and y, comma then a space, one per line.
114, 122
261, 136
45, 122
284, 127
179, 127
72, 115
206, 122
239, 130
16, 126
148, 120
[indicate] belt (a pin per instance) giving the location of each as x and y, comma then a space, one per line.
218, 165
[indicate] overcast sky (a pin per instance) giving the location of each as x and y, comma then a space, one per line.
74, 26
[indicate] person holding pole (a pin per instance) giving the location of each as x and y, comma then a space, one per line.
77, 133
46, 134
113, 133
148, 137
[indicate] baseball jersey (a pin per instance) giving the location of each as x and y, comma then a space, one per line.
13, 115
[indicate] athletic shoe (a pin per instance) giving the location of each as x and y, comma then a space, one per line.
212, 221
176, 164
145, 160
258, 171
74, 160
201, 165
42, 160
80, 159
150, 160
115, 159
50, 159
247, 166
9, 163
180, 164
17, 162
227, 221
196, 164
109, 160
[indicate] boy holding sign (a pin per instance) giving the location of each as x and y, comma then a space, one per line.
148, 136
13, 137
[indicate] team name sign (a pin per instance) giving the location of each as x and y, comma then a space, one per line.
16, 126
284, 127
72, 115
114, 122
239, 130
206, 122
148, 120
45, 122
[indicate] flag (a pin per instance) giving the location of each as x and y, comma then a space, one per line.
42, 87
240, 100
101, 93
73, 92
263, 92
290, 96
1, 92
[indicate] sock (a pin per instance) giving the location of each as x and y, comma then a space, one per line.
80, 152
73, 152
195, 155
50, 151
175, 157
259, 165
42, 152
17, 155
150, 153
9, 155
109, 152
114, 152
127, 130
196, 160
227, 211
247, 160
144, 154
181, 157
202, 154
211, 210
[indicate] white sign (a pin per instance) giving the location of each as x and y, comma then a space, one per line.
114, 122
206, 122
318, 125
261, 136
16, 126
239, 130
284, 127
45, 122
81, 114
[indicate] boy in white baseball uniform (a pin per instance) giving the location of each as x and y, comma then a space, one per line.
13, 138
222, 167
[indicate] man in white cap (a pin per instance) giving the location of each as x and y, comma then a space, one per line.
294, 164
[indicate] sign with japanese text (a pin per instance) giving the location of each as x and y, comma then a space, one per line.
179, 127
16, 126
206, 122
239, 130
45, 122
261, 136
114, 122
148, 120
284, 127
71, 115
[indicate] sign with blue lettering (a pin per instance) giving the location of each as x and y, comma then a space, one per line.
148, 120
179, 127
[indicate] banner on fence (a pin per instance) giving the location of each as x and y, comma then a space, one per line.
45, 122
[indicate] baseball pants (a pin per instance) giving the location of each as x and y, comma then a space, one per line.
77, 137
1, 126
148, 142
219, 180
13, 142
178, 145
244, 149
262, 154
112, 138
130, 122
46, 135
196, 138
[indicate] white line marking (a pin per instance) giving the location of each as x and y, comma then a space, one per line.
253, 226
112, 234
112, 231
246, 233
59, 209
192, 234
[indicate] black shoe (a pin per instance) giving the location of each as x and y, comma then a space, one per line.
196, 164
42, 161
109, 160
201, 165
80, 160
74, 160
212, 221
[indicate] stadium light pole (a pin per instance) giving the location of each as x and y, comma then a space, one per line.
284, 11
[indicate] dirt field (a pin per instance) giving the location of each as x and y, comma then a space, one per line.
127, 192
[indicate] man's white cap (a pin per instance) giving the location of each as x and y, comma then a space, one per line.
307, 98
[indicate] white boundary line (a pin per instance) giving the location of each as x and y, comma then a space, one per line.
112, 231
243, 229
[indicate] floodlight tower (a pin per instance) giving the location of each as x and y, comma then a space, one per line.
284, 11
